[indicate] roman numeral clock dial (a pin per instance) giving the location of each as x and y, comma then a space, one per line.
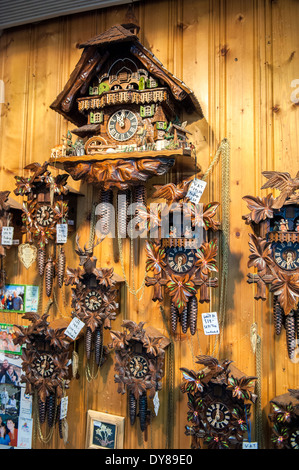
122, 125
218, 415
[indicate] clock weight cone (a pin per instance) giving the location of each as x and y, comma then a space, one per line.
98, 345
88, 342
41, 411
290, 333
278, 316
192, 314
41, 260
174, 316
123, 203
143, 411
49, 276
296, 313
50, 408
184, 320
140, 195
61, 261
132, 408
106, 197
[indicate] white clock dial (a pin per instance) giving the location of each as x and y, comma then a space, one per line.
122, 125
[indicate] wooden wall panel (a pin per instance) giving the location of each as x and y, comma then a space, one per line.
240, 59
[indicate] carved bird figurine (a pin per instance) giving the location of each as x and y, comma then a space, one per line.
213, 369
285, 184
172, 192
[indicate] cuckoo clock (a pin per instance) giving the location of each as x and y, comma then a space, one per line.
94, 294
139, 366
5, 221
284, 420
219, 399
45, 357
274, 248
127, 109
44, 210
183, 258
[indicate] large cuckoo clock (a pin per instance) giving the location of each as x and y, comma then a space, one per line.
139, 366
183, 260
128, 115
274, 251
94, 300
284, 420
44, 209
219, 402
45, 359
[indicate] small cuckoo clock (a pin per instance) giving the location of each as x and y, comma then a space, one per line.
45, 357
139, 366
128, 110
274, 248
183, 260
284, 420
44, 210
219, 399
5, 221
94, 294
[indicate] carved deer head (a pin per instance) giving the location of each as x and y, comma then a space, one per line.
87, 260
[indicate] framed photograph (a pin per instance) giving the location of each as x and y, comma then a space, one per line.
104, 431
19, 298
7, 335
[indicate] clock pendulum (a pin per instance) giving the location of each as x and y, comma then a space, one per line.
94, 292
219, 399
43, 211
139, 366
274, 251
284, 420
45, 365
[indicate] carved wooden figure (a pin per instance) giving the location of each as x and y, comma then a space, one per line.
94, 292
44, 208
128, 110
45, 365
274, 251
181, 260
284, 420
139, 366
219, 401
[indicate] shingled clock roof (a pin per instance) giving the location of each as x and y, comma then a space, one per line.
115, 34
94, 56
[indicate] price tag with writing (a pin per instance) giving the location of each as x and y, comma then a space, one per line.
74, 328
210, 323
249, 445
63, 407
196, 190
61, 233
7, 236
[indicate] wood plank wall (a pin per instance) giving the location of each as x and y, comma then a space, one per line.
240, 58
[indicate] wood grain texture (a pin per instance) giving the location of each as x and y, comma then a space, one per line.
239, 58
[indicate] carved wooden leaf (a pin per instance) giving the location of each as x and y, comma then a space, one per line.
261, 208
286, 288
206, 257
260, 253
180, 289
155, 257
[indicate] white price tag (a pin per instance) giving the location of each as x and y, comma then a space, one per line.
210, 323
61, 233
63, 407
196, 190
74, 328
7, 236
249, 445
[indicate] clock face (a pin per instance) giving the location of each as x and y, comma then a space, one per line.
93, 300
286, 255
44, 365
138, 366
294, 439
180, 260
218, 415
122, 125
45, 216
